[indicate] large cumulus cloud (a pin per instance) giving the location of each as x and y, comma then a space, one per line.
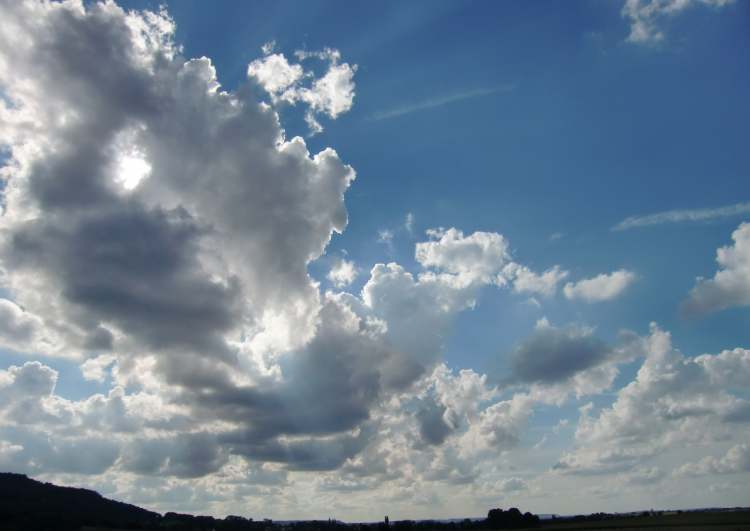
151, 215
158, 228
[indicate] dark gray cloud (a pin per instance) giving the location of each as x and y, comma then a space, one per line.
551, 355
432, 426
186, 455
308, 454
133, 268
329, 385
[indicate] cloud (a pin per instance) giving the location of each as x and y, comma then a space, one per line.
555, 354
275, 74
559, 362
602, 287
19, 330
680, 216
500, 425
526, 281
438, 102
189, 455
343, 273
646, 16
96, 369
673, 401
450, 403
385, 236
512, 485
22, 387
474, 259
736, 460
730, 286
157, 272
433, 427
730, 368
416, 314
331, 94
145, 260
644, 475
26, 395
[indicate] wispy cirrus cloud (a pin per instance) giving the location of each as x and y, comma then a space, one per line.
646, 16
439, 101
683, 215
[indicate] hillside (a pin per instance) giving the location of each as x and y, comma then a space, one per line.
29, 505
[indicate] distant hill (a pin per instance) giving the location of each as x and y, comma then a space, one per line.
29, 505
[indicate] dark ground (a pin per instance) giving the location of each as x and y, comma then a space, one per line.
29, 505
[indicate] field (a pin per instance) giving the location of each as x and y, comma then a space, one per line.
685, 521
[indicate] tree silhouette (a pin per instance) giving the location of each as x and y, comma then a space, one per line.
510, 519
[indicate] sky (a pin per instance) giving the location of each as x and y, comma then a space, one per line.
345, 260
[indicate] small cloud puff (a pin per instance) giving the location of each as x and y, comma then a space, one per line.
343, 273
602, 287
332, 94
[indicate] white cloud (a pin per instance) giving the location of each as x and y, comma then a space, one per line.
730, 368
679, 216
499, 426
331, 94
269, 47
343, 273
17, 327
737, 459
474, 259
602, 287
417, 312
730, 286
646, 16
274, 73
96, 369
527, 281
673, 401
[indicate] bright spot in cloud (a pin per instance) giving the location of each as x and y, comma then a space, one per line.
132, 168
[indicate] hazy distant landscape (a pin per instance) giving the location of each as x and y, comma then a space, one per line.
28, 505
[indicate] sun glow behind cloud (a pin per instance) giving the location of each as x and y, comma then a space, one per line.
132, 168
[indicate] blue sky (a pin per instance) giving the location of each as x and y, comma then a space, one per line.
490, 140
